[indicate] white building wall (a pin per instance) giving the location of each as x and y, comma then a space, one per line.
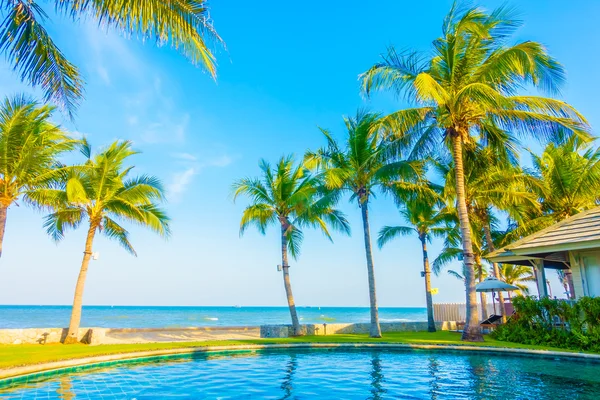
576, 271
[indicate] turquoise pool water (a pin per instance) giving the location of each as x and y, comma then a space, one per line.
325, 374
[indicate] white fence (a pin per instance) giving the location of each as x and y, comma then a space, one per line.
457, 311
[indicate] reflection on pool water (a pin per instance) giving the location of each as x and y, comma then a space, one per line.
335, 374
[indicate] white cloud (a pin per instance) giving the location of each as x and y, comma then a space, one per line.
132, 120
194, 165
185, 156
107, 45
179, 183
221, 161
166, 129
103, 74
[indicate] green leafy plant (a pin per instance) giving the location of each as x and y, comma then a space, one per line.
556, 323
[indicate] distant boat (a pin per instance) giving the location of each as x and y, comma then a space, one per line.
237, 306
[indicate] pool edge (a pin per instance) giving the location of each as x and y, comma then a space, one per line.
12, 375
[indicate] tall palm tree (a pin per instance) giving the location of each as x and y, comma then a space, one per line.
466, 90
426, 219
493, 181
566, 174
289, 195
362, 163
29, 148
452, 251
184, 24
101, 193
517, 275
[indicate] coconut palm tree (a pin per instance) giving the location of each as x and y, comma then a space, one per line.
466, 91
493, 182
101, 193
566, 173
29, 148
364, 162
425, 219
517, 275
184, 24
452, 252
289, 195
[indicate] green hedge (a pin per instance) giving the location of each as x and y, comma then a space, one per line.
557, 323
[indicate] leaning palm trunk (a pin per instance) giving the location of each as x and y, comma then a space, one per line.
72, 334
286, 283
375, 330
3, 211
491, 247
428, 297
471, 330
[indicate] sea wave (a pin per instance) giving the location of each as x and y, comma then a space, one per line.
325, 318
211, 318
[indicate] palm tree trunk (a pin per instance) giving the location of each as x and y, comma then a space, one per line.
471, 331
428, 297
286, 283
72, 333
375, 330
3, 212
490, 243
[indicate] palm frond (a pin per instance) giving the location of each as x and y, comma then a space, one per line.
388, 233
34, 55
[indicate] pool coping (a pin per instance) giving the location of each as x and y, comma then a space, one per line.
17, 374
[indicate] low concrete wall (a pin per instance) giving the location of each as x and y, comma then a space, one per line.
126, 335
154, 335
193, 334
40, 335
283, 331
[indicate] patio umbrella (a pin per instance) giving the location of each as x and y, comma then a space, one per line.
493, 284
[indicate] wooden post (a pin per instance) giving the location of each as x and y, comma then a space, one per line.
540, 277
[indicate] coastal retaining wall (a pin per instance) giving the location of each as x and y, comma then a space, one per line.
128, 335
283, 331
40, 335
96, 336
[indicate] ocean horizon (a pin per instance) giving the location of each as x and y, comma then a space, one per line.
124, 316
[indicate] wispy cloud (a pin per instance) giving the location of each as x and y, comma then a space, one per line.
184, 156
167, 129
193, 165
103, 73
221, 161
179, 183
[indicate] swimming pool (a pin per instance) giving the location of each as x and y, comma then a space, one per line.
321, 373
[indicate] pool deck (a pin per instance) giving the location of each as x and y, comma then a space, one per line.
10, 375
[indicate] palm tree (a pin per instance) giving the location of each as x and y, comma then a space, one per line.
452, 251
289, 195
517, 275
426, 219
102, 193
466, 90
364, 162
493, 181
184, 24
566, 174
29, 147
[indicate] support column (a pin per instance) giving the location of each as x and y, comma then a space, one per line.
540, 277
569, 276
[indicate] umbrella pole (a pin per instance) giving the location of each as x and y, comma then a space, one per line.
494, 302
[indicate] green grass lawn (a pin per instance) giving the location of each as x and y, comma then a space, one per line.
27, 354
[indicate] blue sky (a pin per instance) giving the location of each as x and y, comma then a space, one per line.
287, 70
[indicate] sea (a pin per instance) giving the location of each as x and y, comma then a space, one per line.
15, 316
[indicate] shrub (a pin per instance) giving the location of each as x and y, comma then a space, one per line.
555, 323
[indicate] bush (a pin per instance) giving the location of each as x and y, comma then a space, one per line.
555, 323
